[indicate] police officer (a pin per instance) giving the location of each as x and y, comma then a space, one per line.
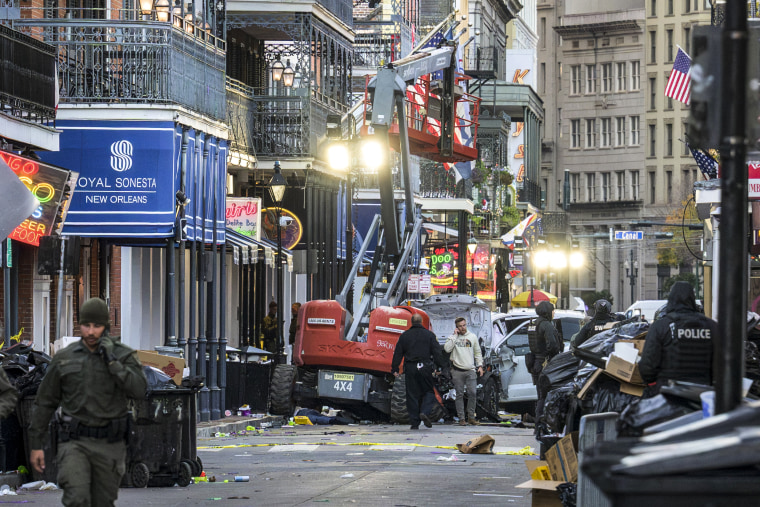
603, 315
544, 342
679, 345
420, 350
87, 385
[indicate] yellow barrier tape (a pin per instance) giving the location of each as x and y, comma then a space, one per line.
235, 446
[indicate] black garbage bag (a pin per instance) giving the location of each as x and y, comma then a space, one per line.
752, 366
607, 397
158, 379
602, 344
559, 371
568, 493
646, 412
558, 404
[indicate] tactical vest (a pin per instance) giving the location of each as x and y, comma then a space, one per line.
687, 350
538, 349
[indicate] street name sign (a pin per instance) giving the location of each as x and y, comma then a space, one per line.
624, 235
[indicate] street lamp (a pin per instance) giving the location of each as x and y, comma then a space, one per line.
632, 271
288, 74
277, 190
146, 7
162, 10
472, 246
277, 69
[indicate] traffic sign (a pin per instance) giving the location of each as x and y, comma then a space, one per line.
623, 235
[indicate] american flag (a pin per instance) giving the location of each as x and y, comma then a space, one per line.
679, 83
706, 164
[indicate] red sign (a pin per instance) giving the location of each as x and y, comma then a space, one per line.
753, 179
47, 183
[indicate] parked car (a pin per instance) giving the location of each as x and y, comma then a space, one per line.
510, 345
646, 308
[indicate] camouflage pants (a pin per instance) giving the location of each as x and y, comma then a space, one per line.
90, 471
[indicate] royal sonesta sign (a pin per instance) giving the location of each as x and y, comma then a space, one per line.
47, 183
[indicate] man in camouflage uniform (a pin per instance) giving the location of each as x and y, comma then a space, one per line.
270, 329
87, 385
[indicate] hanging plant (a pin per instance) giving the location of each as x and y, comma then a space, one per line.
506, 178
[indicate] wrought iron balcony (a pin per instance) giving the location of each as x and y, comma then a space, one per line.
341, 9
554, 222
373, 48
27, 77
108, 56
530, 192
484, 62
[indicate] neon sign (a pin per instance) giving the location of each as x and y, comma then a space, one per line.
442, 264
47, 183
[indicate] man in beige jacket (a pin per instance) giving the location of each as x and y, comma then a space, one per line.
465, 357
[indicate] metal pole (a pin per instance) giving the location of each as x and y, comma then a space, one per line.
732, 291
223, 329
59, 298
182, 339
192, 344
280, 312
204, 411
171, 295
633, 280
7, 295
213, 336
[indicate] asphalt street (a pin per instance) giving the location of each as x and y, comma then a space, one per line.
367, 465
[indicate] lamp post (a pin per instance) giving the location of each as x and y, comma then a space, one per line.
632, 271
472, 247
277, 190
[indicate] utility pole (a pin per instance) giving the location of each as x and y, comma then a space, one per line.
632, 272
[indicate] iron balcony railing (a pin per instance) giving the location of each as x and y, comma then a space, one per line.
484, 62
27, 77
372, 48
554, 222
342, 9
530, 192
111, 57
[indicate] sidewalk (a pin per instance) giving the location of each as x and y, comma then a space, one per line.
236, 424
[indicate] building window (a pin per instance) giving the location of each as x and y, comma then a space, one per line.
559, 76
575, 133
635, 75
621, 77
687, 40
651, 187
635, 185
669, 104
685, 149
590, 79
605, 186
606, 140
686, 182
635, 134
670, 7
668, 139
542, 34
669, 45
620, 193
620, 131
606, 78
542, 77
652, 93
591, 133
652, 143
653, 7
575, 79
669, 185
653, 46
686, 6
591, 187
575, 187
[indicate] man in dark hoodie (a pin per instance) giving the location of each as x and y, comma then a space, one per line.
679, 346
544, 342
602, 316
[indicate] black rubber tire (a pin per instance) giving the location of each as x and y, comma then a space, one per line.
198, 467
139, 475
490, 401
281, 400
185, 474
399, 412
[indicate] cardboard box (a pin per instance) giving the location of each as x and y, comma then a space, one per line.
544, 492
172, 366
539, 470
562, 459
624, 370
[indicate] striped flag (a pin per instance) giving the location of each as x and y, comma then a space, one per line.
706, 164
679, 83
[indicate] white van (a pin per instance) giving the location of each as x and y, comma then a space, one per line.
645, 308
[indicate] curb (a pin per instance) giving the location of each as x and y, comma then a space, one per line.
240, 425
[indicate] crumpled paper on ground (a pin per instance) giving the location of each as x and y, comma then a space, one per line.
39, 486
